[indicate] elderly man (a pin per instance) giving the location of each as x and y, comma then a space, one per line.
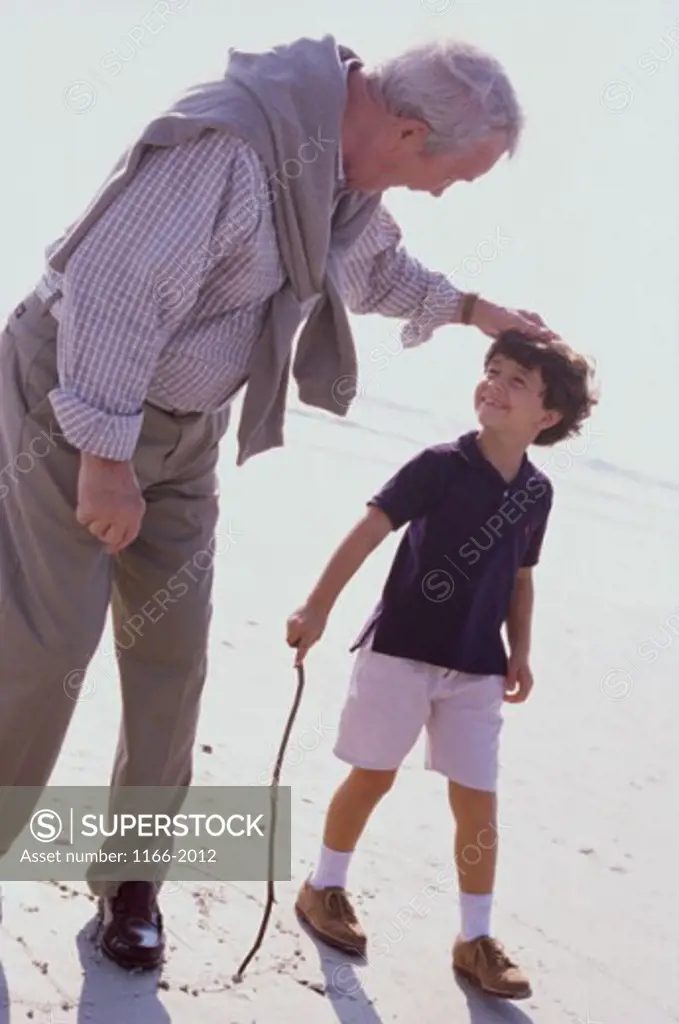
251, 208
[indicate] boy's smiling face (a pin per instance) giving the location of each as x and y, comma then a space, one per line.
508, 400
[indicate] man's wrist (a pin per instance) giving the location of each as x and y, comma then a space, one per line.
467, 307
98, 462
471, 309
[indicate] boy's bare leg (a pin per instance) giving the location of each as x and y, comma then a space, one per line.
475, 813
322, 901
475, 953
351, 807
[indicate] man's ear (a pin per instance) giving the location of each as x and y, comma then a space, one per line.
411, 133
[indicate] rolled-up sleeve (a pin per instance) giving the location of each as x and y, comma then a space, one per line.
378, 275
127, 286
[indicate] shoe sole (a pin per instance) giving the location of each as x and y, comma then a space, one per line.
522, 994
344, 947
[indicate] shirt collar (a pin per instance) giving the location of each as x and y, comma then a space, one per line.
469, 447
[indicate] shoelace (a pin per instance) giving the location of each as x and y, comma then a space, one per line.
495, 954
338, 905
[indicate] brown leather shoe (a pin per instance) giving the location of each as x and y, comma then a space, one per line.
331, 917
484, 962
132, 927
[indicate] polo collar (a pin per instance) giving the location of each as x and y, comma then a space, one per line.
470, 448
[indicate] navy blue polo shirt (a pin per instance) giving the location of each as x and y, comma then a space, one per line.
448, 591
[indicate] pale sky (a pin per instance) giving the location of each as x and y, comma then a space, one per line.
587, 213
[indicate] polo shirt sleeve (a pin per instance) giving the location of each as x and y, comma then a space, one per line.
414, 489
534, 549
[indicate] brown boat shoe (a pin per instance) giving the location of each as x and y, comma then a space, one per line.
331, 917
484, 962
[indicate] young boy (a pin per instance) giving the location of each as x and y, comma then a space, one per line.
432, 653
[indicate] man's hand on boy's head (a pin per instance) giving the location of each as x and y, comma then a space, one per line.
518, 680
493, 320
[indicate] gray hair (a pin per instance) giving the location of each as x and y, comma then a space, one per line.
462, 93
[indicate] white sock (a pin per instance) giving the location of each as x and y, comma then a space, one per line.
475, 915
331, 869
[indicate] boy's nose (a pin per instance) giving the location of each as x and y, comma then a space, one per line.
497, 391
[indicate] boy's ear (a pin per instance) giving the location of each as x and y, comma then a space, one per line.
550, 418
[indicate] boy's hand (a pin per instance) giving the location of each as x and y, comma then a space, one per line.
305, 628
519, 679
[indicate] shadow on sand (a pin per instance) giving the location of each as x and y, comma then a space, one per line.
110, 995
4, 998
345, 990
488, 1010
344, 986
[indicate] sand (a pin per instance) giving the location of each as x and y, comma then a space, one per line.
586, 878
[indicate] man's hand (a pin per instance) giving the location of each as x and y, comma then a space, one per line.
305, 628
519, 679
492, 320
110, 503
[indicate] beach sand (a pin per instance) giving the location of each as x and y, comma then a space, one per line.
588, 787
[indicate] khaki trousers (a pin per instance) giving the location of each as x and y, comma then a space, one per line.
57, 582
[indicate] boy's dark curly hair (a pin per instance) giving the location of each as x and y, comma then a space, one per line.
568, 377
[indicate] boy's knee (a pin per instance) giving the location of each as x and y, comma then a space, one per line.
477, 804
373, 781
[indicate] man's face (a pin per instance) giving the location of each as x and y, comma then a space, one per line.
434, 173
509, 400
397, 159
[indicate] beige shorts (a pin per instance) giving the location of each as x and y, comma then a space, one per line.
391, 700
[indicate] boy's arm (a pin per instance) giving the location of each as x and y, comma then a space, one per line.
520, 615
360, 542
306, 625
405, 496
519, 678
